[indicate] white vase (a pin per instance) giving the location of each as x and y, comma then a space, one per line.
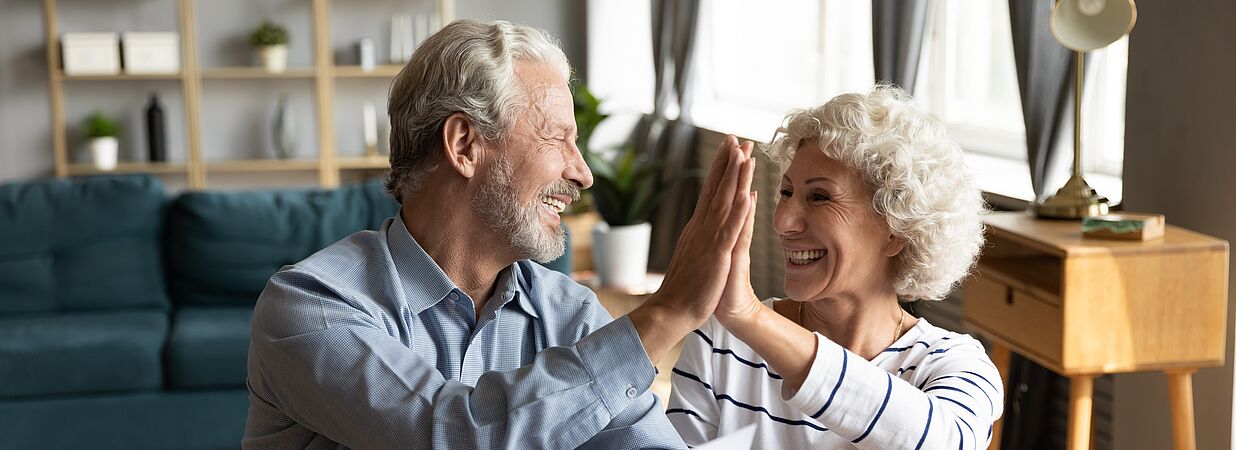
274, 58
620, 254
103, 150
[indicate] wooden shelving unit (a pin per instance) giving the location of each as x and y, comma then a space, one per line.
323, 73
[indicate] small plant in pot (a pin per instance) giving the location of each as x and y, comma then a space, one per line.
624, 193
271, 41
102, 132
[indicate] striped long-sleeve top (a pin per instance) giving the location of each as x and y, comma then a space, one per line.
931, 389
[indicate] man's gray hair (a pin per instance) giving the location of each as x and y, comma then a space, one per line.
467, 67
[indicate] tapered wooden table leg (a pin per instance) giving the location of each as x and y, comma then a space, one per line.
1180, 382
1002, 358
1081, 404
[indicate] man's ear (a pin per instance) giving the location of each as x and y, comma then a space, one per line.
461, 144
893, 246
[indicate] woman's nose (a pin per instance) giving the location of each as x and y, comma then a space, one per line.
788, 219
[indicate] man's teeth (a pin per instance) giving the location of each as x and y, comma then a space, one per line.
801, 257
557, 205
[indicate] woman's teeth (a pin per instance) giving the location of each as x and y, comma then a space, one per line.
554, 204
801, 257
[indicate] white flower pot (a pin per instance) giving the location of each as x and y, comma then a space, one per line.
274, 58
620, 254
103, 150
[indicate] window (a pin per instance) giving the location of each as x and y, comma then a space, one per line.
757, 60
968, 76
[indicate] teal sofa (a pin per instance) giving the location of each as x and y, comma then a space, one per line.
124, 313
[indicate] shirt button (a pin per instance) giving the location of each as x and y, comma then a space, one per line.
631, 392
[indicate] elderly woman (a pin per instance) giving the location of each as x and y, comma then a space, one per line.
875, 207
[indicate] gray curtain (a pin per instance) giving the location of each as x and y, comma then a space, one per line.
1035, 397
671, 142
897, 28
1045, 78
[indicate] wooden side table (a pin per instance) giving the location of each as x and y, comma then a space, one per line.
619, 302
1086, 307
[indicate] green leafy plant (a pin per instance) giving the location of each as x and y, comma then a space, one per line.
587, 114
268, 34
98, 125
623, 187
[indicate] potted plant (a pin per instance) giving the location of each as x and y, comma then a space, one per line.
271, 41
102, 132
624, 193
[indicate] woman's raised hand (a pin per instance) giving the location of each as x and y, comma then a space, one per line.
700, 268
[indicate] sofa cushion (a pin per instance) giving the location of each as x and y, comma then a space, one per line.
81, 244
85, 352
208, 347
222, 247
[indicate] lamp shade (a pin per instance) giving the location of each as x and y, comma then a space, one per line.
1085, 25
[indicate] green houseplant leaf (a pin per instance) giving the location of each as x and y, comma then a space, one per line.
268, 34
98, 125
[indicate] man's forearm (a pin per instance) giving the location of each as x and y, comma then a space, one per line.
660, 326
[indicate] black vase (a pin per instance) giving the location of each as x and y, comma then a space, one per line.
156, 132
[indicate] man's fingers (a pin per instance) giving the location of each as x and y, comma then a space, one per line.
723, 199
743, 247
741, 201
719, 163
747, 148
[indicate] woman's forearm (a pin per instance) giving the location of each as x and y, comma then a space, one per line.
787, 348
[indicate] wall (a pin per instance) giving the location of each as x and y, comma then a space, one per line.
235, 113
1180, 140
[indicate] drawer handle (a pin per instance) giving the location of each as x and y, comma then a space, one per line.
1008, 296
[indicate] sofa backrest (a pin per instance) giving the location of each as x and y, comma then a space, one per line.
81, 244
222, 247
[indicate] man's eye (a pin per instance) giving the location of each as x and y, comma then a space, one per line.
820, 197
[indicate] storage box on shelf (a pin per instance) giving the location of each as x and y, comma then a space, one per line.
82, 61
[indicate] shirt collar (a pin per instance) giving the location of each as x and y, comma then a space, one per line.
425, 284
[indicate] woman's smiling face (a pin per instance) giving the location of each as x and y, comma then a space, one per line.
835, 244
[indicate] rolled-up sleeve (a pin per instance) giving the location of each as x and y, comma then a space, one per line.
346, 378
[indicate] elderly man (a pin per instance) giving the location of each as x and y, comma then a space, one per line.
435, 331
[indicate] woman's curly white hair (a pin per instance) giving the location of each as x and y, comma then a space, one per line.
915, 173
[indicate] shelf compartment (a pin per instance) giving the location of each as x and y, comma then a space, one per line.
251, 73
383, 71
263, 165
364, 162
129, 167
61, 76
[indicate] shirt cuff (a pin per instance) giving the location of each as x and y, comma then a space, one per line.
618, 364
826, 373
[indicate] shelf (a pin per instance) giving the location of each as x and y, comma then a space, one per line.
129, 167
364, 162
243, 73
262, 165
383, 71
1039, 276
60, 76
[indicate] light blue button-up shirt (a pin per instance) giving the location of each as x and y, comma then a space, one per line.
368, 344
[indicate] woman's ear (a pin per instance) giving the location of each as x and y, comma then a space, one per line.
461, 144
893, 246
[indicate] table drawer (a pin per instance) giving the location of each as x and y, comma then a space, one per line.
1032, 326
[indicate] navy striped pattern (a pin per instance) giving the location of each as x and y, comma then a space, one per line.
938, 380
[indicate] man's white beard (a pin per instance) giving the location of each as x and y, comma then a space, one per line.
498, 205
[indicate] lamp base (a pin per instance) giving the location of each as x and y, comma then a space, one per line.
1075, 200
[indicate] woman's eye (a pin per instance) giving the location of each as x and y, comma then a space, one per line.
820, 197
786, 193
